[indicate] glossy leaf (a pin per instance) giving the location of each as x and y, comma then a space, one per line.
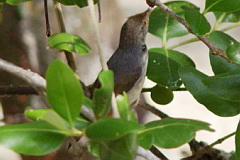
197, 22
107, 129
227, 17
102, 96
69, 42
170, 133
164, 26
222, 5
222, 40
233, 53
163, 66
194, 82
161, 95
49, 116
35, 138
226, 86
80, 3
64, 91
124, 148
237, 142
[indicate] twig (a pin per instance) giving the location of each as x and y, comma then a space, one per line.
69, 55
48, 31
100, 52
97, 35
214, 49
17, 90
150, 89
146, 154
34, 79
209, 147
153, 110
158, 153
99, 12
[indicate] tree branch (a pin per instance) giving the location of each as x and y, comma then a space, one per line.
153, 110
157, 153
17, 90
214, 49
34, 79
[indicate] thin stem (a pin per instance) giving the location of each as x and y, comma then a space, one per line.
215, 50
48, 31
218, 22
153, 110
158, 153
230, 27
100, 52
184, 43
69, 55
97, 35
209, 147
150, 89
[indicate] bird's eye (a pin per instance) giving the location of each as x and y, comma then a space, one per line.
144, 47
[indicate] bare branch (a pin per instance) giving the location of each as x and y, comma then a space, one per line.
17, 90
34, 79
153, 110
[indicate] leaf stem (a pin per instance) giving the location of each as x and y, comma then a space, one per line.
230, 27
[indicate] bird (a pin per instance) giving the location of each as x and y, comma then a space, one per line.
129, 61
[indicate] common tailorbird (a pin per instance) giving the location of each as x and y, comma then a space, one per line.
129, 61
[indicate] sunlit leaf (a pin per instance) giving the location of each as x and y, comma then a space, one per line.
69, 42
35, 138
64, 91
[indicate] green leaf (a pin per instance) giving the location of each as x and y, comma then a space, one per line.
226, 86
69, 42
228, 17
88, 102
222, 5
13, 2
49, 116
233, 53
194, 82
81, 123
64, 91
80, 3
164, 26
107, 129
237, 142
170, 133
123, 107
163, 66
35, 138
222, 40
124, 148
161, 95
197, 22
102, 96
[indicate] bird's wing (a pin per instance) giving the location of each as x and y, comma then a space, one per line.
127, 81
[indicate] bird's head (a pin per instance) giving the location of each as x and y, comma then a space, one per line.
135, 29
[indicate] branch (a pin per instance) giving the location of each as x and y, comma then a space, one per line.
208, 148
69, 55
17, 90
153, 110
100, 52
150, 89
157, 153
214, 49
34, 79
146, 154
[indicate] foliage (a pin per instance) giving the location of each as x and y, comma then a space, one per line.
112, 138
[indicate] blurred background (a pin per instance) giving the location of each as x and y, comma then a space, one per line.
25, 44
